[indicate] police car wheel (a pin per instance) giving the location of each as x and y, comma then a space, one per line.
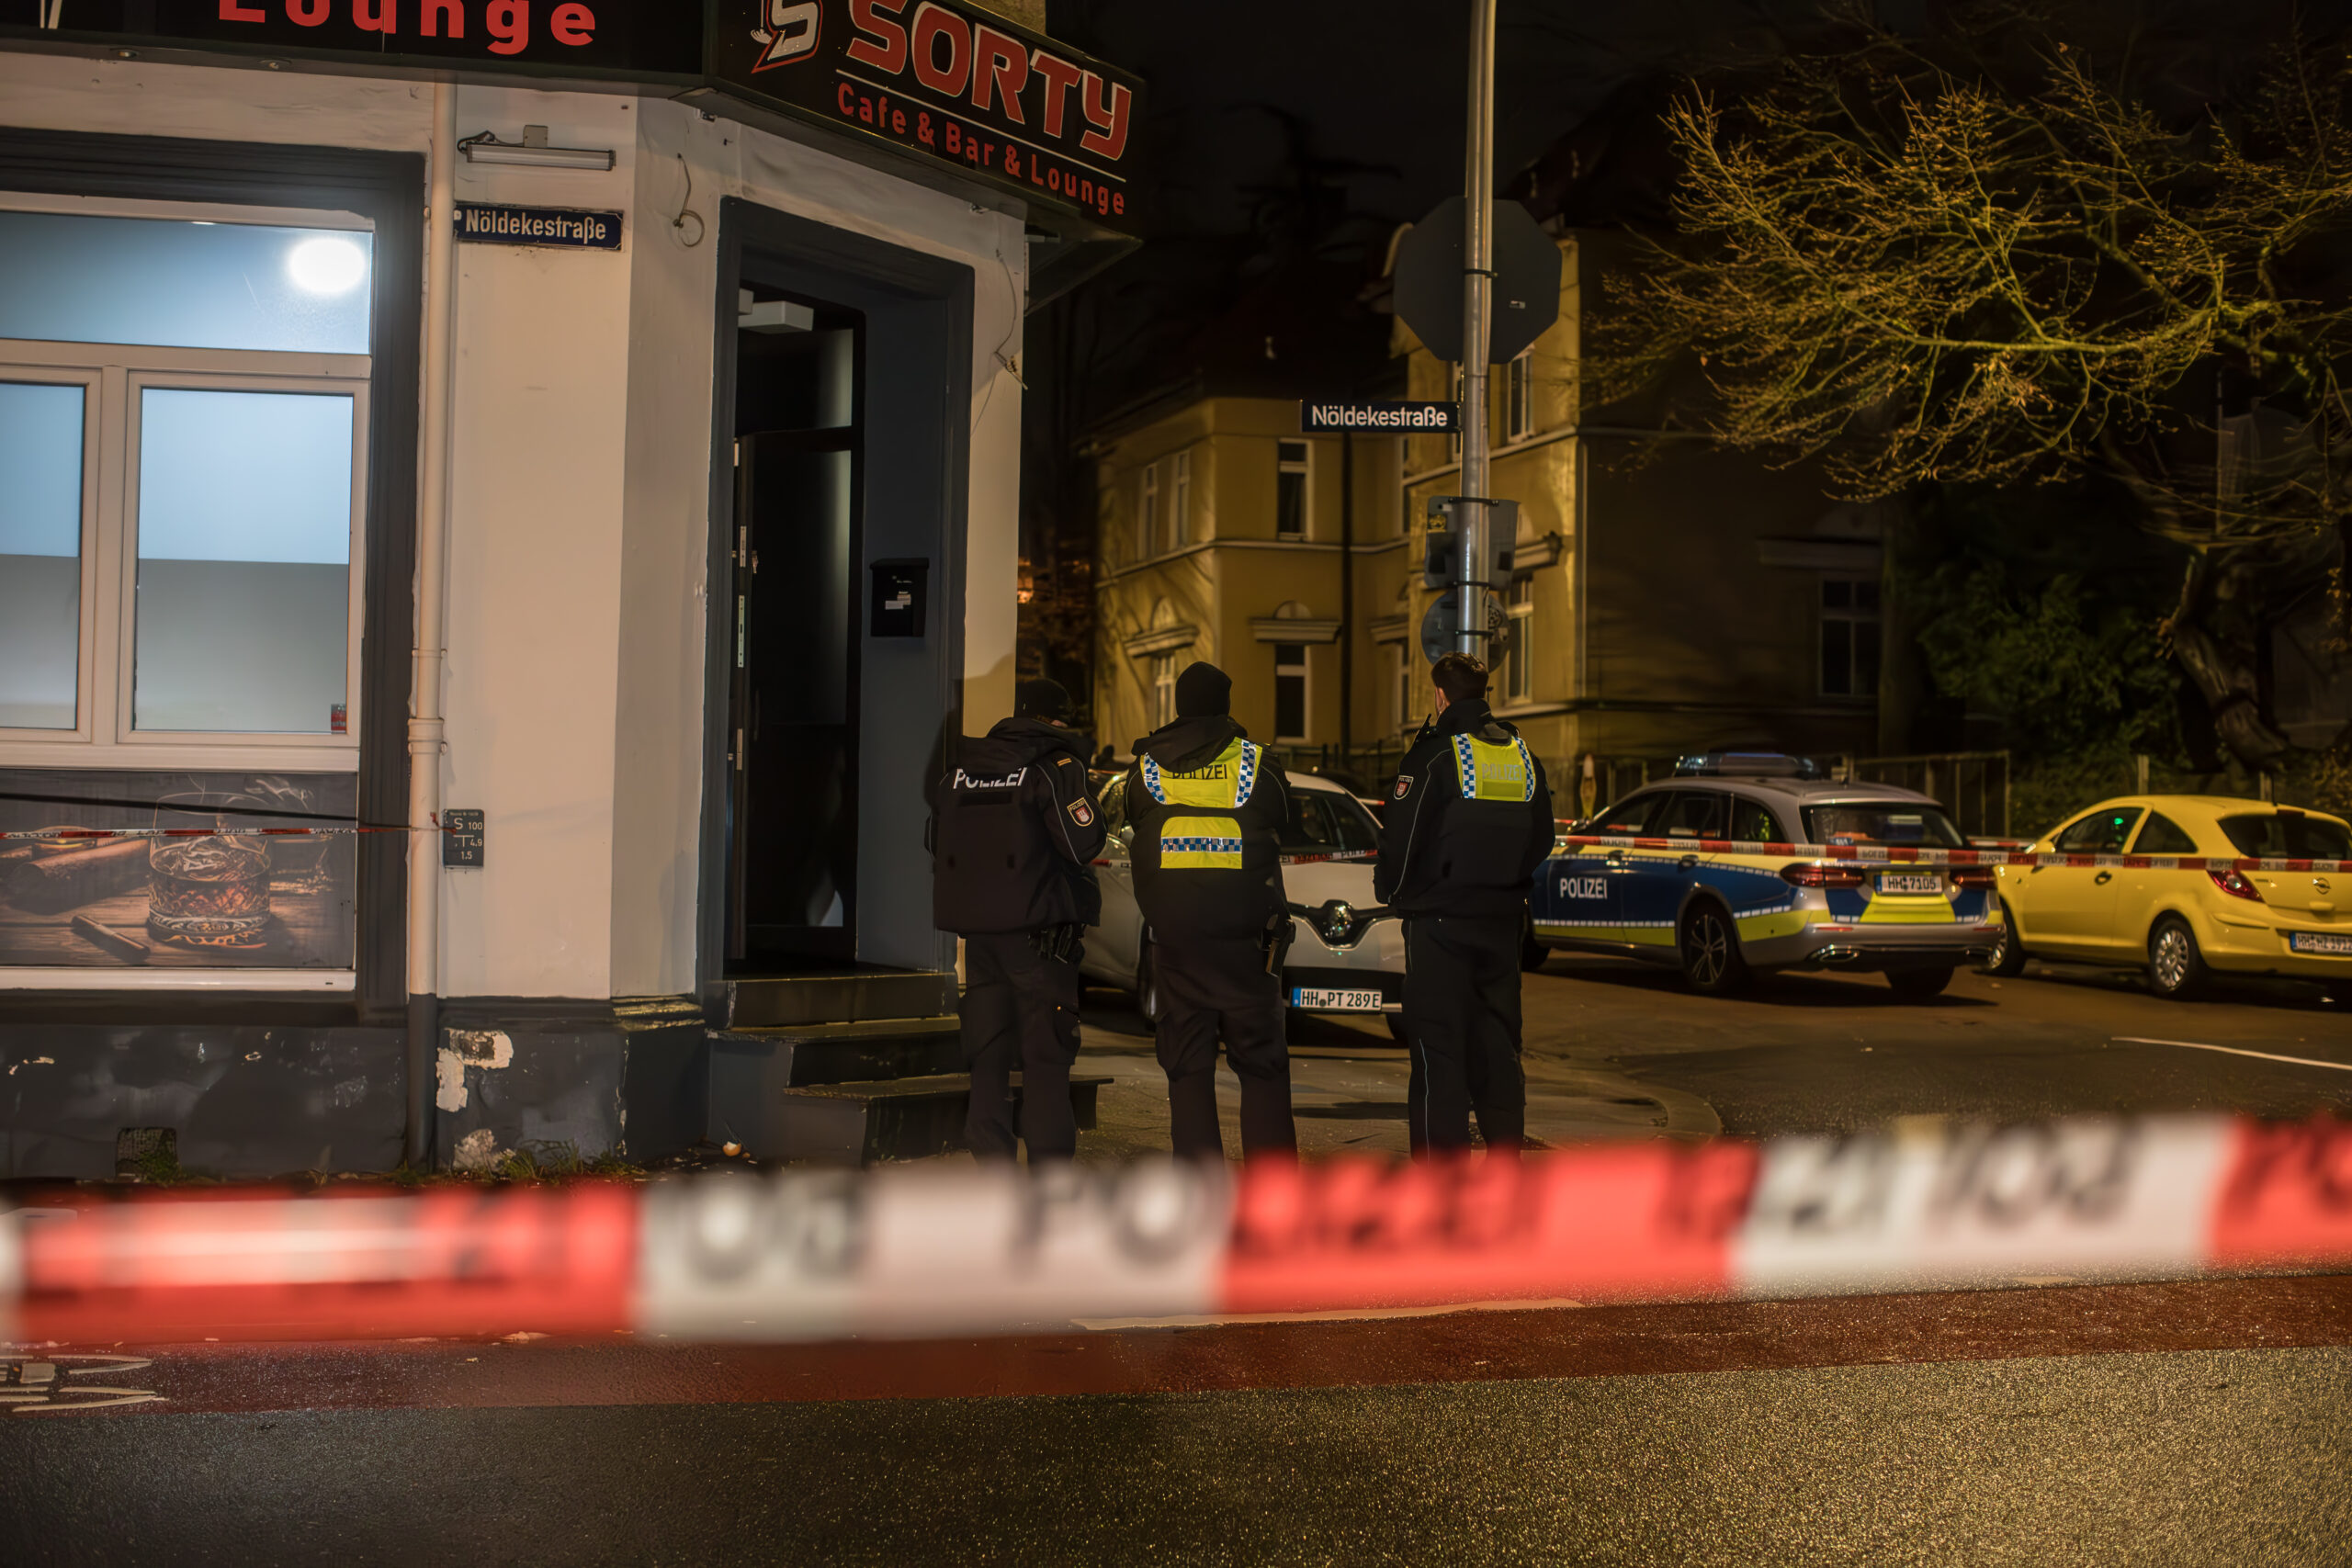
2008, 958
1711, 962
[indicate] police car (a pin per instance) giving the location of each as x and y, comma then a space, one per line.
1339, 962
1718, 888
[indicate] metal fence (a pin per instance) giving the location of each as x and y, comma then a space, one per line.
1973, 786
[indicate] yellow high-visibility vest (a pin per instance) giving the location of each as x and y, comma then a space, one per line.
1201, 840
1489, 770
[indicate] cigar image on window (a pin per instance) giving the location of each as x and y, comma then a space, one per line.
128, 948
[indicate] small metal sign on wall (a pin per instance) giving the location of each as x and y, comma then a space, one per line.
484, 224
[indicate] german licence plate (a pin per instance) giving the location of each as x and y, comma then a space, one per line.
2337, 942
1316, 1000
1910, 881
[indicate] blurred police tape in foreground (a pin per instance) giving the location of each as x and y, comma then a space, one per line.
933, 1250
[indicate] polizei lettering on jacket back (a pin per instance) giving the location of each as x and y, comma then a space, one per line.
1011, 781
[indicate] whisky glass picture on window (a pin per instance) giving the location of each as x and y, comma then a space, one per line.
209, 892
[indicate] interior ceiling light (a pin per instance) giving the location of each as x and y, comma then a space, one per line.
534, 149
326, 265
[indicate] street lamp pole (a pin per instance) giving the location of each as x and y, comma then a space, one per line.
1477, 301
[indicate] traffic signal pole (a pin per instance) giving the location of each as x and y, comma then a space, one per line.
1478, 302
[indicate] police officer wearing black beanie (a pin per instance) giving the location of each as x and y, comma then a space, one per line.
1014, 834
1207, 805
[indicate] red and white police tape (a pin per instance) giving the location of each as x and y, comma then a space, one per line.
1905, 854
925, 1251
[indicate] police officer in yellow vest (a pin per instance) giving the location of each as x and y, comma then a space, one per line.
1207, 806
1468, 821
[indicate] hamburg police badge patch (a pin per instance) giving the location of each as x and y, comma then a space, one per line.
1081, 813
1404, 787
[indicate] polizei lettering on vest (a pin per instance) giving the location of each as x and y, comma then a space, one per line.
1010, 781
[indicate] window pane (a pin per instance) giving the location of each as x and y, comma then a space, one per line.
1837, 595
1837, 658
65, 277
244, 561
1291, 451
40, 554
1290, 504
1865, 658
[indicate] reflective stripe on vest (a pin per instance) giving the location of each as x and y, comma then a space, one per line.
1225, 782
1200, 844
1491, 771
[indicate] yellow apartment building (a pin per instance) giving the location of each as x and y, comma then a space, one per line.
1669, 595
1227, 535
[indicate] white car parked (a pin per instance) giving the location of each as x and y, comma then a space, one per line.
1339, 963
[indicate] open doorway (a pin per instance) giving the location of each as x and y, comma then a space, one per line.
800, 499
842, 416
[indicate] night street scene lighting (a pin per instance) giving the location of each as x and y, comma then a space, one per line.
1061, 780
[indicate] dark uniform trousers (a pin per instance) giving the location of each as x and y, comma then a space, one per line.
1461, 1021
1219, 986
1020, 1011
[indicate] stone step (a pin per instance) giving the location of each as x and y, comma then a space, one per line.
858, 1124
746, 1063
850, 996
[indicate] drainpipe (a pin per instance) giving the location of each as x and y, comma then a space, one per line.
425, 726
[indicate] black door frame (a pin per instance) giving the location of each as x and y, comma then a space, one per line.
859, 272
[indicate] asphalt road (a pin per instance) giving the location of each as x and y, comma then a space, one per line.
1615, 1048
2205, 1422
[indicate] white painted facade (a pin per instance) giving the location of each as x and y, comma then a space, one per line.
579, 481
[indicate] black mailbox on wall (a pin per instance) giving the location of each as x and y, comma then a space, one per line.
900, 588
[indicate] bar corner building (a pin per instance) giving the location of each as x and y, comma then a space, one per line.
587, 432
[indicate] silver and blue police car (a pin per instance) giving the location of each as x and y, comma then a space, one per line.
1719, 885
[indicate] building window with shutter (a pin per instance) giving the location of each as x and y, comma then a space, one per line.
1163, 689
1515, 648
1849, 636
1290, 489
1180, 501
1290, 690
1147, 514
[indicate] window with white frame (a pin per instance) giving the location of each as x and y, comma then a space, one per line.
1163, 689
1516, 645
1518, 397
1291, 474
1290, 690
1401, 673
1180, 500
1147, 514
1849, 636
183, 412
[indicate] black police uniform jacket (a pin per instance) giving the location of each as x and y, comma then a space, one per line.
1468, 821
1015, 831
1207, 805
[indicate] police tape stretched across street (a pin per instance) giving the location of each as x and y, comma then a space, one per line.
913, 1251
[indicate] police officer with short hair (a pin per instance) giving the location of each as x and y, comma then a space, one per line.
1014, 830
1207, 806
1468, 821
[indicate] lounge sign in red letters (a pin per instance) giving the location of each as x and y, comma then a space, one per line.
661, 37
951, 82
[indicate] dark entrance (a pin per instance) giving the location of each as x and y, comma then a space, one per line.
799, 500
841, 415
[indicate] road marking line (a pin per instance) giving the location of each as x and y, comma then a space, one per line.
2235, 1051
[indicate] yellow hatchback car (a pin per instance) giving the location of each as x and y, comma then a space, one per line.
2182, 926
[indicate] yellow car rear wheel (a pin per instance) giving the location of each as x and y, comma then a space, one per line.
2175, 964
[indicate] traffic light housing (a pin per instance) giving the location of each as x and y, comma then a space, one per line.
1442, 545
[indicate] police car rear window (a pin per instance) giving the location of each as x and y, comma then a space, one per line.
1876, 822
2287, 835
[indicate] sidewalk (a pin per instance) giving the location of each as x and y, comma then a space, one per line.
1347, 1091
